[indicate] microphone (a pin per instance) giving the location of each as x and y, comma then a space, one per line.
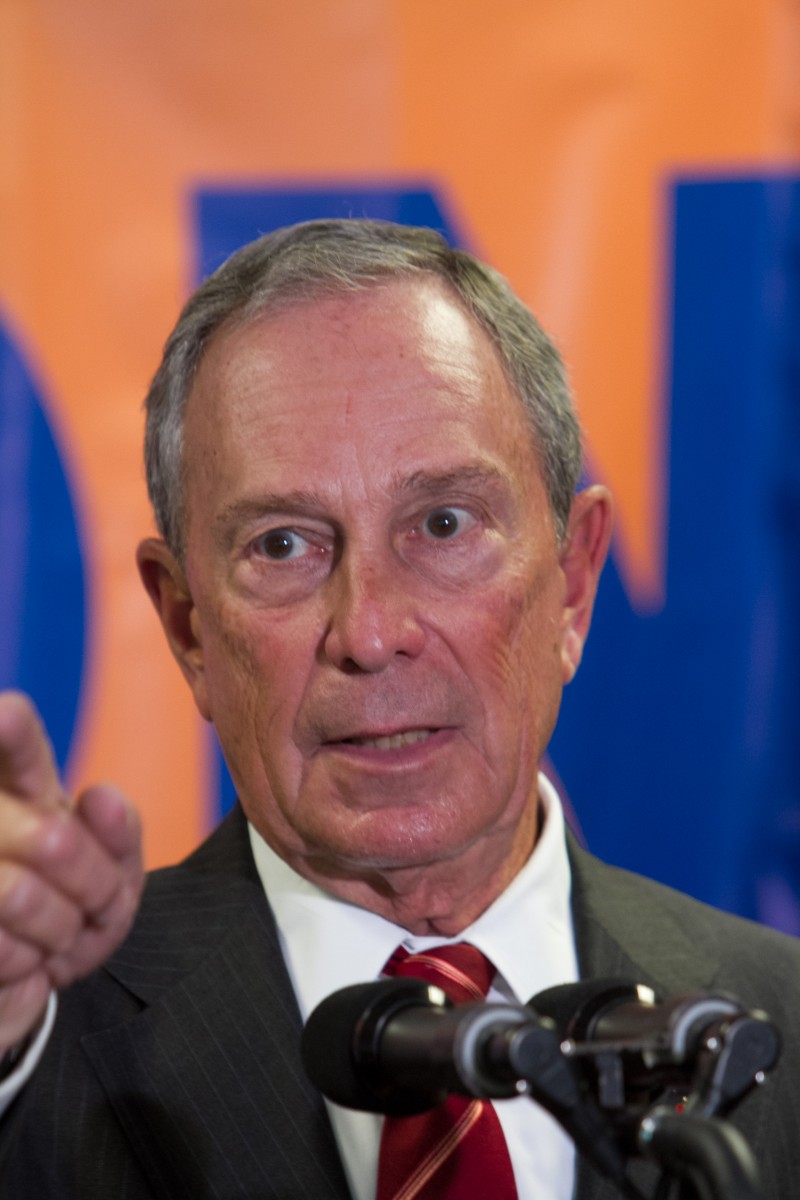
399, 1046
638, 1043
612, 1063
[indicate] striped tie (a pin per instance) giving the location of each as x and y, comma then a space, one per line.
455, 1151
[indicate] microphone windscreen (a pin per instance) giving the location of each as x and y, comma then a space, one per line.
573, 1006
330, 1047
327, 1048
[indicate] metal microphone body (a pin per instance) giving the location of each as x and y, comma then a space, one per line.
706, 1044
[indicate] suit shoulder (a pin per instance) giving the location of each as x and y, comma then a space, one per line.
223, 860
669, 931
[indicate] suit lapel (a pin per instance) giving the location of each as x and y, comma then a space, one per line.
619, 933
207, 1081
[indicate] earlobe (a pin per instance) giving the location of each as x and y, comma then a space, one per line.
166, 585
582, 557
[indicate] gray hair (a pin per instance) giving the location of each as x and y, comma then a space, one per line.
300, 261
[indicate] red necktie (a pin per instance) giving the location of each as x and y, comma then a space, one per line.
457, 1150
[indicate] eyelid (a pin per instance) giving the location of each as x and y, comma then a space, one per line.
464, 510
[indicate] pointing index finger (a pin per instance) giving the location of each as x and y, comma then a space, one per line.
27, 767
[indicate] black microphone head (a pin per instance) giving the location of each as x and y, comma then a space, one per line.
575, 1006
330, 1047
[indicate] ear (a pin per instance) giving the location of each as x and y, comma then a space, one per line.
582, 556
167, 587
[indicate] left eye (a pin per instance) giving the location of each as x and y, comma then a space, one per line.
447, 522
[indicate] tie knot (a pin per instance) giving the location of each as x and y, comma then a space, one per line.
462, 972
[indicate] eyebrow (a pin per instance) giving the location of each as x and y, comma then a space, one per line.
249, 508
468, 475
304, 501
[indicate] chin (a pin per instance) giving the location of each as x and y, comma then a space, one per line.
394, 842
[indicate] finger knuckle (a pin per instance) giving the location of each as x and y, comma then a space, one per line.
58, 841
17, 958
17, 893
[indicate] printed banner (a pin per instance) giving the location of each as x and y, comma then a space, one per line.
635, 172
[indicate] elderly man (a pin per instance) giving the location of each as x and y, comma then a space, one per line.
376, 578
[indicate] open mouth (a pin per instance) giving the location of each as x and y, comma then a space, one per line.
391, 741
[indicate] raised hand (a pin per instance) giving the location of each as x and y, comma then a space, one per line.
70, 873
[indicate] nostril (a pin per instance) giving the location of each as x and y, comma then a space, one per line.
349, 666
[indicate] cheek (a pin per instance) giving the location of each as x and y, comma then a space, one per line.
512, 657
228, 653
517, 636
534, 640
232, 699
239, 680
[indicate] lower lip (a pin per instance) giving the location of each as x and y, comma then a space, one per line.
395, 756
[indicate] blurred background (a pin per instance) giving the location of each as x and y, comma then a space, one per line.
633, 169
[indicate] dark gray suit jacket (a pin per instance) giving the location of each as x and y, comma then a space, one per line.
174, 1071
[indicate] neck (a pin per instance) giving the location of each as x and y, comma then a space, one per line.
438, 899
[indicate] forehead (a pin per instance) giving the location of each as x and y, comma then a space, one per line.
397, 373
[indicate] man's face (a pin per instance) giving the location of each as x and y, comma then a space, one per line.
377, 605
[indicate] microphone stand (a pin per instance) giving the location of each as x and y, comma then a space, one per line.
708, 1153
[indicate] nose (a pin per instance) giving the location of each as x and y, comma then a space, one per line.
373, 615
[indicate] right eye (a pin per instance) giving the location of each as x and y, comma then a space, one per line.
280, 544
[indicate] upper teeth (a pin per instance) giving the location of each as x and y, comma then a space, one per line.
391, 741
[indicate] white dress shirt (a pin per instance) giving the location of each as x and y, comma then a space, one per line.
13, 1084
527, 933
